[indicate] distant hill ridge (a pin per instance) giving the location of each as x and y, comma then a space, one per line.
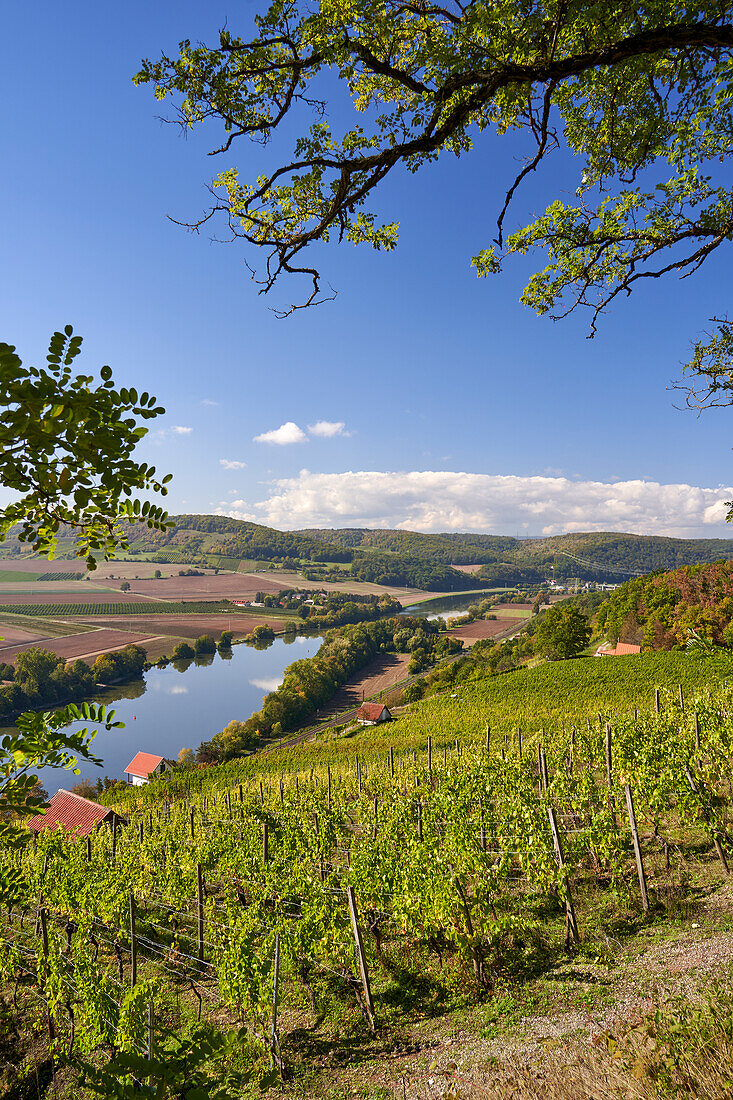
419, 559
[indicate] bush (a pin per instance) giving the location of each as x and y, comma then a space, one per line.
204, 644
182, 651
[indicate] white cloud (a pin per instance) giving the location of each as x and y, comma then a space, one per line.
267, 685
179, 429
208, 401
179, 689
282, 436
327, 428
232, 464
426, 500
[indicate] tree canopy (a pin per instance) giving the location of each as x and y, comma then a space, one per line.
563, 632
66, 444
641, 95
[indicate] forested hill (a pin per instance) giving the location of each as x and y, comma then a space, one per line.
661, 611
235, 538
604, 555
456, 549
421, 560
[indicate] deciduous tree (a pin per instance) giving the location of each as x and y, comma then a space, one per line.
640, 94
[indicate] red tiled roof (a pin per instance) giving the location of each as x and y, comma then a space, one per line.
626, 647
370, 711
71, 811
143, 764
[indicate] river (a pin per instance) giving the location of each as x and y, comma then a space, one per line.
443, 606
183, 704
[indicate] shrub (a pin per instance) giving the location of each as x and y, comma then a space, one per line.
204, 644
182, 651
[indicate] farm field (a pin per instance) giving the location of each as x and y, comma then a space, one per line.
486, 628
191, 626
86, 645
83, 593
211, 587
10, 635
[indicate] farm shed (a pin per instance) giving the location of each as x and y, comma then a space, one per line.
621, 649
371, 714
73, 813
142, 766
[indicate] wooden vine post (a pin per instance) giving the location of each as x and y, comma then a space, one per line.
637, 849
488, 740
133, 942
43, 919
571, 924
391, 762
363, 969
697, 731
519, 742
275, 1055
200, 911
265, 843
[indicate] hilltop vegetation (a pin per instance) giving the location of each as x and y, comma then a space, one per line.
661, 610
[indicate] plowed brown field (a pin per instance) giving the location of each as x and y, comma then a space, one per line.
16, 635
222, 586
86, 645
191, 626
486, 628
85, 593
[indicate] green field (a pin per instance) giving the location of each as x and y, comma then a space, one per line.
8, 576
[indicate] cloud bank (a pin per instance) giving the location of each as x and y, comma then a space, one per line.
232, 464
427, 500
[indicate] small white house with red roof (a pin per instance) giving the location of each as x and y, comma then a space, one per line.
371, 714
142, 766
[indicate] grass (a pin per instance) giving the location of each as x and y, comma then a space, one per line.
12, 575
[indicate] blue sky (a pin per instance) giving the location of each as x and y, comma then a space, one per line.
474, 413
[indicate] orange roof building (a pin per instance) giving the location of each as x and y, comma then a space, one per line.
72, 812
142, 766
621, 649
370, 714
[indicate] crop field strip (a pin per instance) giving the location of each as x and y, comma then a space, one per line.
236, 887
112, 608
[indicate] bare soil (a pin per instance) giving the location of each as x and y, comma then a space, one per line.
82, 593
485, 628
87, 645
210, 587
15, 635
192, 626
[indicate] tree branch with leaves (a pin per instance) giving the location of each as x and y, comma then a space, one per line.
66, 453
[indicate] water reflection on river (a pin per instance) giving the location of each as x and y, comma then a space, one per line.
184, 704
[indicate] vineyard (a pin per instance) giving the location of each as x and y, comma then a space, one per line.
60, 576
257, 899
129, 607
